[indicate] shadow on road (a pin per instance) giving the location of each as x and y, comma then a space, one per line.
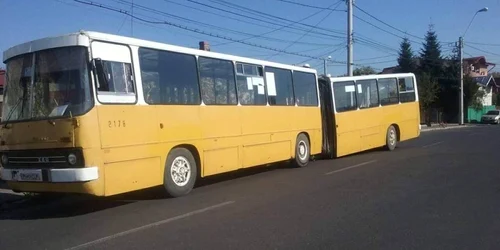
32, 207
241, 173
38, 208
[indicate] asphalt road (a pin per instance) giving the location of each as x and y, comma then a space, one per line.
441, 191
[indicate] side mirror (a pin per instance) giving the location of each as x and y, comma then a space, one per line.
101, 72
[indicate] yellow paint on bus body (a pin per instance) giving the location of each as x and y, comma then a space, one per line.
366, 129
130, 143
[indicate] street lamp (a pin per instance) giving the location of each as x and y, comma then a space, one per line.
461, 46
324, 64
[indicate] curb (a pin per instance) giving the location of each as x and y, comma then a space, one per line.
445, 128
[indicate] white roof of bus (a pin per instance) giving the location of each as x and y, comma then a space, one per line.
83, 38
368, 77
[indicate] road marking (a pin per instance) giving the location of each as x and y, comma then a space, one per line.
155, 224
433, 144
354, 166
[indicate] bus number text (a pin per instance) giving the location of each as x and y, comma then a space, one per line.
116, 124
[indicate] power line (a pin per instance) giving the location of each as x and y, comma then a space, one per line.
338, 47
380, 62
376, 46
289, 29
384, 30
273, 17
270, 16
310, 6
162, 13
317, 24
285, 26
391, 26
484, 51
192, 29
485, 44
372, 58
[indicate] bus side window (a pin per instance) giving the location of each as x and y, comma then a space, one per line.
406, 89
169, 78
250, 84
118, 78
367, 93
305, 89
279, 87
217, 81
115, 79
388, 91
345, 96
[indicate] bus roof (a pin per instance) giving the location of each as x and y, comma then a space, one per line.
367, 77
84, 38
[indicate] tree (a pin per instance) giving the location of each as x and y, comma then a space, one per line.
365, 70
449, 85
427, 95
432, 62
406, 59
473, 95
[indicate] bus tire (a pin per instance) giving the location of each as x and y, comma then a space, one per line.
391, 138
302, 151
180, 172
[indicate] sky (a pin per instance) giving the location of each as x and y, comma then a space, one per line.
274, 30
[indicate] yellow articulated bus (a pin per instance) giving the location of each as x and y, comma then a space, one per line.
101, 114
366, 112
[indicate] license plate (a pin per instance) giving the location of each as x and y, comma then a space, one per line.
27, 175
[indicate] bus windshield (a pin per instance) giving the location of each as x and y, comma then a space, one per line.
47, 84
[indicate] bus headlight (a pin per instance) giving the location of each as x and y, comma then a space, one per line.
72, 159
5, 159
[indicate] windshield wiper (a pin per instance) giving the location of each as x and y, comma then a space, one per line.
21, 100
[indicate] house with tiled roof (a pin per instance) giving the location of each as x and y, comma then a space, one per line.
489, 85
477, 66
473, 66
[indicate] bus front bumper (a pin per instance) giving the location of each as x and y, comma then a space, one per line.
66, 175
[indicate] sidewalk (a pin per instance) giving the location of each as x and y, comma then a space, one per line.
436, 126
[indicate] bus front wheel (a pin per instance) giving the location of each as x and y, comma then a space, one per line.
302, 151
391, 138
180, 172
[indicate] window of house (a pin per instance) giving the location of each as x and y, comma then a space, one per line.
345, 96
217, 81
367, 95
169, 77
406, 89
388, 91
279, 86
250, 84
305, 89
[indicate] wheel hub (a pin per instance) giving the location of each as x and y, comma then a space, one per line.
180, 171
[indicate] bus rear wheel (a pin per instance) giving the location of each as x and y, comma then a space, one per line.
302, 151
180, 172
391, 138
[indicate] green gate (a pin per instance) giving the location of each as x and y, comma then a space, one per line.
474, 115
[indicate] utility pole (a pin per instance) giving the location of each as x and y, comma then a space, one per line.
324, 67
349, 37
461, 98
324, 64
